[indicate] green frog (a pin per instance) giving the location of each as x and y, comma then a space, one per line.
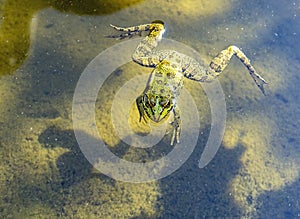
170, 68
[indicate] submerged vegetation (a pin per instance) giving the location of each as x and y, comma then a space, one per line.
18, 18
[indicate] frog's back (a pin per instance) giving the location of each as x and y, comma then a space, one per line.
165, 80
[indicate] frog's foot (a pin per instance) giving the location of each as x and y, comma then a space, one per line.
219, 63
129, 32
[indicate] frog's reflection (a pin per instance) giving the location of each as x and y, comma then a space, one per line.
17, 16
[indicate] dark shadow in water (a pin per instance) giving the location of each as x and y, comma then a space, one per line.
191, 192
142, 155
73, 166
17, 17
284, 203
57, 191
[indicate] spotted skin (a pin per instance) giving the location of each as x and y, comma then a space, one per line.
170, 67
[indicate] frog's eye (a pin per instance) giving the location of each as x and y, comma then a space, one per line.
152, 101
145, 98
148, 102
165, 103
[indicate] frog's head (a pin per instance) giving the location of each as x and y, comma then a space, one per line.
156, 107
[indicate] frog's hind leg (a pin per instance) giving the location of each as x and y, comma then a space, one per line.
219, 63
128, 32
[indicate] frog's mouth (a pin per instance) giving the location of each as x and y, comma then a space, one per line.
157, 118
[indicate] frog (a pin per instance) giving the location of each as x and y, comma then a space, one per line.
170, 68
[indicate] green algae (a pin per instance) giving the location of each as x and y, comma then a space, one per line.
17, 18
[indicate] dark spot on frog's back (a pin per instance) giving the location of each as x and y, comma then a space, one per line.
158, 74
242, 59
281, 98
170, 75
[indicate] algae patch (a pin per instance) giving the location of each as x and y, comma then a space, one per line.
17, 16
261, 171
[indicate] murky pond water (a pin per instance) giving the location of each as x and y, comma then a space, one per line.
45, 47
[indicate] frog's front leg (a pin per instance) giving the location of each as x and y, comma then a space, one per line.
176, 124
139, 103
